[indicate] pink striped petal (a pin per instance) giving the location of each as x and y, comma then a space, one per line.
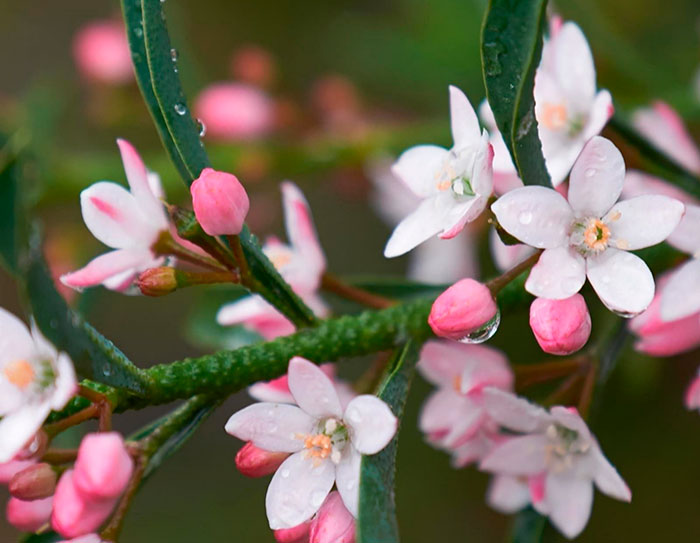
105, 266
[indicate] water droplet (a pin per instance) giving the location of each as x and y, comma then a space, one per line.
106, 371
590, 172
624, 314
484, 333
525, 217
173, 54
284, 473
180, 108
202, 128
318, 497
138, 31
354, 416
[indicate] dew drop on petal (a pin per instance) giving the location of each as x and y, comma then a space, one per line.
180, 108
284, 473
484, 333
354, 416
525, 217
590, 172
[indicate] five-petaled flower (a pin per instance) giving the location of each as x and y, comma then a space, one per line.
454, 184
326, 440
34, 379
591, 234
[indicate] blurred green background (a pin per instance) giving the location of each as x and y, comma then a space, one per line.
399, 56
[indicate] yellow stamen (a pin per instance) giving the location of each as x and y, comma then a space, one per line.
596, 235
318, 446
280, 260
457, 383
20, 373
553, 116
443, 185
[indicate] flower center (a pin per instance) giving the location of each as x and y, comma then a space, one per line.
590, 236
318, 446
553, 116
453, 175
564, 446
20, 373
329, 441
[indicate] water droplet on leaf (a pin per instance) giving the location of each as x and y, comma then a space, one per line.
180, 108
202, 128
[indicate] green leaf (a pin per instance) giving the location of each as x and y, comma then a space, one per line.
377, 514
48, 537
8, 215
396, 288
528, 527
511, 47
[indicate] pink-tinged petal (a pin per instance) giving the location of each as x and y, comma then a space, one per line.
596, 179
297, 490
426, 221
465, 125
519, 456
569, 500
622, 281
18, 427
685, 237
639, 184
442, 411
107, 266
137, 176
470, 421
513, 412
113, 216
275, 391
441, 362
104, 466
692, 395
9, 469
673, 338
537, 216
270, 426
507, 494
561, 327
482, 173
573, 63
600, 113
312, 389
643, 221
253, 461
334, 523
559, 273
418, 166
372, 424
29, 516
681, 295
16, 343
456, 216
256, 314
472, 450
348, 479
66, 383
665, 128
607, 479
298, 534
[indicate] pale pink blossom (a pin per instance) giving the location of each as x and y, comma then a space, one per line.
102, 53
128, 221
590, 234
560, 327
234, 111
464, 309
326, 442
508, 494
507, 256
454, 185
29, 516
220, 202
301, 264
34, 380
557, 446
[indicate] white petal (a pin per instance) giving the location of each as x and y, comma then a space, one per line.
297, 490
574, 65
601, 111
570, 418
513, 412
525, 455
66, 384
270, 426
16, 342
596, 179
643, 221
442, 411
507, 494
607, 479
18, 427
418, 167
270, 392
558, 274
622, 281
686, 236
681, 295
426, 221
537, 216
440, 362
372, 424
312, 389
465, 125
570, 500
348, 479
108, 266
482, 173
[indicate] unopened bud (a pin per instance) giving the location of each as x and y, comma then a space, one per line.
561, 327
297, 534
252, 461
158, 281
220, 202
73, 513
464, 308
103, 467
33, 483
29, 516
333, 523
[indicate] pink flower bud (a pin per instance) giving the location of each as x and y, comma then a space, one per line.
231, 111
103, 467
220, 202
462, 309
298, 534
158, 281
74, 514
102, 54
33, 483
333, 523
252, 461
692, 395
560, 326
9, 469
29, 516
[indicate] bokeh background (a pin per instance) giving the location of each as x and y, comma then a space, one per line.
353, 79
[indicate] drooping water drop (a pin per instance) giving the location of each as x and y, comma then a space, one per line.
525, 217
202, 128
484, 333
180, 108
173, 54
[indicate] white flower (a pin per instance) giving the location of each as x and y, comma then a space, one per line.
34, 379
558, 446
589, 235
327, 443
454, 184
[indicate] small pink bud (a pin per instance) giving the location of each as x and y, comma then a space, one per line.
298, 534
29, 516
220, 202
33, 483
462, 309
252, 461
103, 467
102, 54
560, 326
158, 281
333, 523
74, 514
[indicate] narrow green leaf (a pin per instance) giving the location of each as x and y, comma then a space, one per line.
47, 537
377, 514
511, 47
8, 216
396, 288
528, 527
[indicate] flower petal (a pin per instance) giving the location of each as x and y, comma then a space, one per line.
348, 480
312, 389
465, 125
570, 500
525, 455
559, 273
106, 266
573, 63
426, 221
372, 424
685, 237
607, 479
297, 490
442, 411
16, 343
66, 383
596, 179
537, 216
513, 412
643, 221
622, 281
271, 426
18, 427
681, 295
442, 361
600, 113
482, 172
507, 494
418, 166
